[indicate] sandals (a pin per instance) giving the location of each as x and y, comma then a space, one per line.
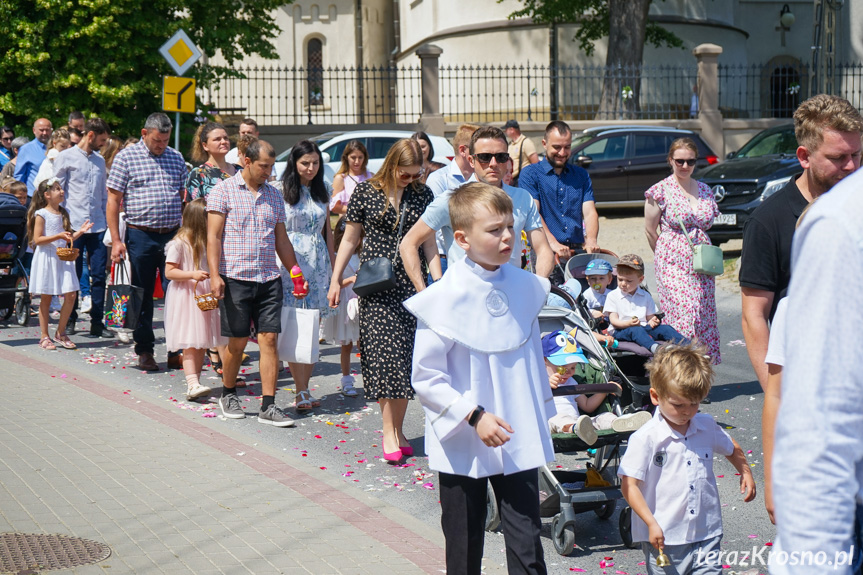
47, 344
217, 364
64, 340
305, 401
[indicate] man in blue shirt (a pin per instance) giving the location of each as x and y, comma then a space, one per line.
564, 195
31, 156
6, 137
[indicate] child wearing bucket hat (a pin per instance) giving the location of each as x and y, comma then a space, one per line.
562, 355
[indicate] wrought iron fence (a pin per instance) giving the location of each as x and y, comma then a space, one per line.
340, 95
497, 93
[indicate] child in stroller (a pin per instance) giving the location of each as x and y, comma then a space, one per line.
562, 355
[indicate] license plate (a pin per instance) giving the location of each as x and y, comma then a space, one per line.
725, 220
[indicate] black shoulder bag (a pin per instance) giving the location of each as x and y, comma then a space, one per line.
377, 274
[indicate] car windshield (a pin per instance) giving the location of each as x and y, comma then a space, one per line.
781, 142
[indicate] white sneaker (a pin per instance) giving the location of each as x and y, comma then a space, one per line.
631, 421
124, 336
348, 389
86, 304
196, 391
584, 429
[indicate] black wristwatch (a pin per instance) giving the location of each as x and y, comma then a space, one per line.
474, 417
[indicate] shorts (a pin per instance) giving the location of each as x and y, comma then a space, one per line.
246, 302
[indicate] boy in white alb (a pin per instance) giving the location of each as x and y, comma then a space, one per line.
562, 355
478, 372
667, 469
631, 311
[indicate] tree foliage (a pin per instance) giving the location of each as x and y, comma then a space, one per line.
102, 56
593, 19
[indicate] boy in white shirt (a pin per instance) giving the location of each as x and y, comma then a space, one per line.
667, 469
478, 372
562, 355
631, 311
599, 276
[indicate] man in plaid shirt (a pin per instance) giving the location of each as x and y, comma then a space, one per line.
245, 232
149, 178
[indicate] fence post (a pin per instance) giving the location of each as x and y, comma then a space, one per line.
431, 118
709, 115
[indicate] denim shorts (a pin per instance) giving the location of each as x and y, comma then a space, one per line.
246, 302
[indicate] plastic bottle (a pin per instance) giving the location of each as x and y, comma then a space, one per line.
299, 280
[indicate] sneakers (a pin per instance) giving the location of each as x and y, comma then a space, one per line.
86, 304
196, 391
275, 417
584, 429
631, 421
230, 406
124, 336
348, 386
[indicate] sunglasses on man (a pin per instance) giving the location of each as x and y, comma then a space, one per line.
500, 157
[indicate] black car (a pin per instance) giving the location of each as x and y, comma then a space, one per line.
625, 161
762, 167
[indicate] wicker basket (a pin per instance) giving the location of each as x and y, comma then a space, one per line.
68, 254
206, 302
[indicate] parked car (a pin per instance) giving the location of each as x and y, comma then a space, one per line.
762, 167
377, 142
624, 161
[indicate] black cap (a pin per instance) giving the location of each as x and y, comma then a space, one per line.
511, 124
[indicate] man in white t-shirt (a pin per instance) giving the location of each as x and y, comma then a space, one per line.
248, 126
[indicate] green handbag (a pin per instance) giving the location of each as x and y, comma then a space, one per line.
706, 259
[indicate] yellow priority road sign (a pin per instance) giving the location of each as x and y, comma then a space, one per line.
178, 94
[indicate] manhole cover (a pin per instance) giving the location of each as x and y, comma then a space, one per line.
30, 553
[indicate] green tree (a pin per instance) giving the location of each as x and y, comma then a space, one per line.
102, 56
625, 24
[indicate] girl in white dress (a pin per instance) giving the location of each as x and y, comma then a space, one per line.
48, 228
344, 327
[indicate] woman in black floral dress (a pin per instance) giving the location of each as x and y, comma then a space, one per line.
386, 327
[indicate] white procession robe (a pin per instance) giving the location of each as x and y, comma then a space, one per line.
478, 343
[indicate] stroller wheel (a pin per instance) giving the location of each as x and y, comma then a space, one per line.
492, 513
625, 527
22, 310
562, 536
606, 511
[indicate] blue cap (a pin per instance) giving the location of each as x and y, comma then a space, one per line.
597, 267
561, 348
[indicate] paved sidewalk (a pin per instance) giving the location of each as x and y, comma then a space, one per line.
167, 493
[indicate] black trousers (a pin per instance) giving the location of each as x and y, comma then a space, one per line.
463, 506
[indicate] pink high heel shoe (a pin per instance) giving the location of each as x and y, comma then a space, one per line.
407, 451
394, 456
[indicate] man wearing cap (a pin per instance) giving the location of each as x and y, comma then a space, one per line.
631, 311
521, 150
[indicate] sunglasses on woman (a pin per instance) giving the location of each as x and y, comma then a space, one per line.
683, 162
500, 157
408, 177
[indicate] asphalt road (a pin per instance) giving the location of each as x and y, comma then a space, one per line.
342, 438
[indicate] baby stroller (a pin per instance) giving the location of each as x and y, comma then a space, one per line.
567, 493
629, 356
14, 281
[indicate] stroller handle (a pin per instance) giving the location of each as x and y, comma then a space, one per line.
585, 389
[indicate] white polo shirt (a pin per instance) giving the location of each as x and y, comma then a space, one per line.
677, 478
640, 305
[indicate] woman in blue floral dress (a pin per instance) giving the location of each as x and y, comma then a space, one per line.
307, 198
